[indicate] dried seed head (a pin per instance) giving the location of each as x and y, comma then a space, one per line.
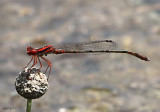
31, 84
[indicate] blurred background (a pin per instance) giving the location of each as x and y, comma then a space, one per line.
80, 83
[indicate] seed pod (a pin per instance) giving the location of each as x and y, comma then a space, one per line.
31, 84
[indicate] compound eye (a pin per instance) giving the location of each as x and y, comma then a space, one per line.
30, 48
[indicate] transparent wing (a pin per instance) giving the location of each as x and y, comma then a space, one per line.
87, 46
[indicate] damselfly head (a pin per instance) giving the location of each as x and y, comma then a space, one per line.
31, 51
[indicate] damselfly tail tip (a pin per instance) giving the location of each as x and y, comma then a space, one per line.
146, 59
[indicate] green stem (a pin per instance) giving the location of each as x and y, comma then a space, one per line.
29, 104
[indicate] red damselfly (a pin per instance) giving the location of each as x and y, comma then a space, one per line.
99, 46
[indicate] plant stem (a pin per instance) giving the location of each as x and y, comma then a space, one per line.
29, 104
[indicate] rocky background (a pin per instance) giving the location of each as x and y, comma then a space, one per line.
80, 83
